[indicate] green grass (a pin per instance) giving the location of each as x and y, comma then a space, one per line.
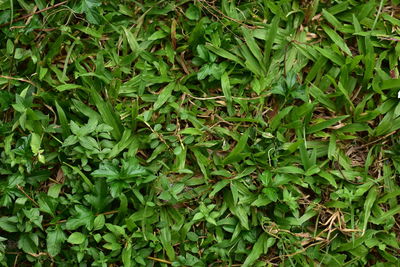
199, 133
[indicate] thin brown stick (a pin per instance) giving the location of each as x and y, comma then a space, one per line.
34, 13
158, 134
16, 260
297, 252
159, 260
208, 7
222, 97
389, 38
206, 98
17, 79
108, 212
303, 43
38, 254
379, 139
23, 192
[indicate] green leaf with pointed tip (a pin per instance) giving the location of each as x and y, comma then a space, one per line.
235, 154
54, 240
76, 238
164, 96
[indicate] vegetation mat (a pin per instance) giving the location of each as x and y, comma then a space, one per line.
199, 133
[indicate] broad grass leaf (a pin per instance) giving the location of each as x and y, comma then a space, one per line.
63, 120
331, 55
225, 54
325, 124
289, 169
386, 216
202, 161
390, 84
218, 187
369, 201
226, 89
258, 249
331, 19
253, 47
108, 114
125, 141
165, 238
164, 96
66, 87
270, 38
234, 155
133, 44
191, 131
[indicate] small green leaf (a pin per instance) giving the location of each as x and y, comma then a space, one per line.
99, 222
10, 47
76, 238
193, 13
35, 143
191, 131
158, 35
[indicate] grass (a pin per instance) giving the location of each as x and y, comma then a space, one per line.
199, 133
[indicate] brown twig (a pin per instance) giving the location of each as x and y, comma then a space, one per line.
159, 260
16, 260
17, 79
297, 252
38, 254
303, 43
36, 30
208, 7
158, 135
23, 192
379, 139
34, 13
206, 98
222, 97
389, 38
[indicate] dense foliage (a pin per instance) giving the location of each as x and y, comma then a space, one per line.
199, 133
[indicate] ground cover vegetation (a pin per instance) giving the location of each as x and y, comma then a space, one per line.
199, 133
